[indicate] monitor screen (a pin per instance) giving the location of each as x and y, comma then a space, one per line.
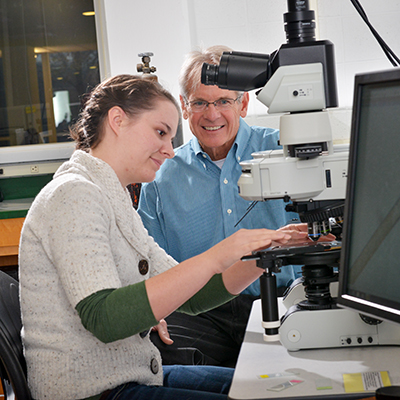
370, 259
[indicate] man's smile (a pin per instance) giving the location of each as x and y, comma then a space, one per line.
212, 128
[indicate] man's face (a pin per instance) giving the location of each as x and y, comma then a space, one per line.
215, 128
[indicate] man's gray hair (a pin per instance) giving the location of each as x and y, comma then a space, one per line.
190, 74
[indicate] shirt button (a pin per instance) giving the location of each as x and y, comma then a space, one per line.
143, 267
204, 156
229, 211
226, 181
154, 366
238, 158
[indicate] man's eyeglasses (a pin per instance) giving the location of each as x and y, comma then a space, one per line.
202, 105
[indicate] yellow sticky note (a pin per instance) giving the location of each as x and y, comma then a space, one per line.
353, 383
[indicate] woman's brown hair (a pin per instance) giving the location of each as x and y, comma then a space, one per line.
133, 94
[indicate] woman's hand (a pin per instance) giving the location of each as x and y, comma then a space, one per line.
162, 330
241, 243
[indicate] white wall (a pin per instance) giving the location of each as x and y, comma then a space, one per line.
171, 28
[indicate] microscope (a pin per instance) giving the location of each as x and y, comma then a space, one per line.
310, 174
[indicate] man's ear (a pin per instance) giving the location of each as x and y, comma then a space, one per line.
244, 104
116, 116
185, 113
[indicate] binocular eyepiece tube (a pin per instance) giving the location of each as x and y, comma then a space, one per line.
238, 71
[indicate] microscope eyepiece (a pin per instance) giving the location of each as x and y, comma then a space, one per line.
238, 71
209, 74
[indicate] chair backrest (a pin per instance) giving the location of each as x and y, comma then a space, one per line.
12, 362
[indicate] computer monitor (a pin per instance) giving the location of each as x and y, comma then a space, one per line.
369, 277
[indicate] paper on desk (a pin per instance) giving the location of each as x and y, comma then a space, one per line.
365, 382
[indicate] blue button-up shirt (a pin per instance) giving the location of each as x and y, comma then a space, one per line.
193, 204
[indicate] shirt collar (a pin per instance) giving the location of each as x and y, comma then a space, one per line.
242, 138
196, 146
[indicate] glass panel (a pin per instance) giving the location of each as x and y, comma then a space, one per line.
48, 61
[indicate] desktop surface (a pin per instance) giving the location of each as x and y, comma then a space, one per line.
269, 371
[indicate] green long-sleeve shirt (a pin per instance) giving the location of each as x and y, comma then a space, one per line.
115, 314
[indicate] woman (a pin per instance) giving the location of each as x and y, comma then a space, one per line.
93, 282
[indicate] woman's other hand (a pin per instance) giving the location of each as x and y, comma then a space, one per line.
162, 330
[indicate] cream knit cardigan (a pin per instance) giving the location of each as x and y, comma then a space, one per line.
82, 235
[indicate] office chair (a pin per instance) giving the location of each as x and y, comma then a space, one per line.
12, 361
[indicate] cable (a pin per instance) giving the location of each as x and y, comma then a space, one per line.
249, 208
386, 49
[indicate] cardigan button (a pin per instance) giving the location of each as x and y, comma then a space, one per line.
143, 267
154, 366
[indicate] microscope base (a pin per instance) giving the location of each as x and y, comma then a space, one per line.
336, 327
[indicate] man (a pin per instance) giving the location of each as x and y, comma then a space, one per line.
194, 203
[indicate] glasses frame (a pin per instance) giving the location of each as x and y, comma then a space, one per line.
214, 103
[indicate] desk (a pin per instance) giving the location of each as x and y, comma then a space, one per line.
10, 230
315, 368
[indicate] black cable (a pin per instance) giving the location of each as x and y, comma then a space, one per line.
386, 49
389, 53
249, 208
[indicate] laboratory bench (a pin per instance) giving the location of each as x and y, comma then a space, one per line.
269, 371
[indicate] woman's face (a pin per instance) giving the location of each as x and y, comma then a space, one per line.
147, 142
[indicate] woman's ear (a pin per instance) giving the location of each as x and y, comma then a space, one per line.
116, 116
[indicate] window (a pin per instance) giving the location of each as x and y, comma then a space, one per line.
48, 61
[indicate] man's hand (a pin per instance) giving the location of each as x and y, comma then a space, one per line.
162, 330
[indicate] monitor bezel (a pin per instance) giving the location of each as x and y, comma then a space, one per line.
345, 299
